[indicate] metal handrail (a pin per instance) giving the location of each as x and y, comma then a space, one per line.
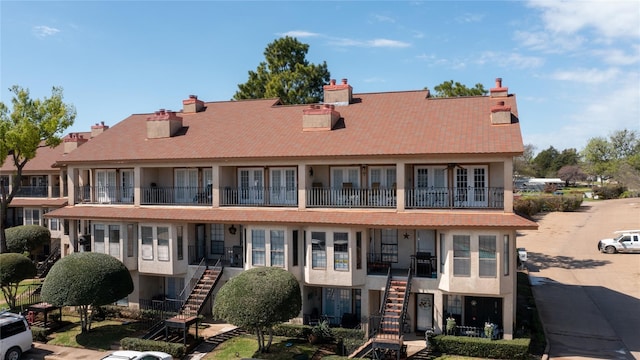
193, 281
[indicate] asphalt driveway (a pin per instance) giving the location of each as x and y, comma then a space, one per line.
589, 302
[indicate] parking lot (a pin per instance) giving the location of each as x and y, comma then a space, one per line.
589, 302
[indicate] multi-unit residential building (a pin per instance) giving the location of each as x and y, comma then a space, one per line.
364, 198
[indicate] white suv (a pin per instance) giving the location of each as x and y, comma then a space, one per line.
625, 241
15, 336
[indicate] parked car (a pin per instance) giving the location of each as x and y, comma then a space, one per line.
625, 241
137, 355
15, 336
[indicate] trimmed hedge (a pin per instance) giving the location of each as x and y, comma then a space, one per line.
175, 350
26, 238
351, 339
482, 348
609, 192
531, 205
39, 334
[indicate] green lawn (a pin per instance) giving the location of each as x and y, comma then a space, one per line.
101, 336
246, 346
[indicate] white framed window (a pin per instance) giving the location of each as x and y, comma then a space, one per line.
251, 185
461, 255
345, 175
341, 251
283, 186
389, 245
471, 186
31, 216
146, 234
105, 186
98, 238
487, 256
114, 240
277, 247
216, 239
258, 247
186, 185
318, 250
430, 187
383, 176
126, 186
163, 243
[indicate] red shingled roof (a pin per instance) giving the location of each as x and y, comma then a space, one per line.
43, 162
375, 124
460, 219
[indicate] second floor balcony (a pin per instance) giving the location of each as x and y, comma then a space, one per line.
37, 191
316, 197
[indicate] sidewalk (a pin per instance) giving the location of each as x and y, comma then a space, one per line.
53, 352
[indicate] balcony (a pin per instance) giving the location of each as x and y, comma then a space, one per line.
455, 198
104, 195
422, 263
346, 197
259, 196
37, 192
175, 195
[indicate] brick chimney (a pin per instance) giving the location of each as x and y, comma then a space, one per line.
339, 95
319, 117
98, 129
192, 105
500, 113
73, 141
163, 124
499, 91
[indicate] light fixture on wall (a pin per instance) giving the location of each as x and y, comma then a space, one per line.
310, 171
232, 230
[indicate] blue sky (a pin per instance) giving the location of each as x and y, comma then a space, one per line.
575, 66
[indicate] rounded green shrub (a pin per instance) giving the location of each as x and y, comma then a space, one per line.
27, 238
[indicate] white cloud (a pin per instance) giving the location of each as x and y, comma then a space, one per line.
383, 18
618, 56
609, 19
469, 18
589, 76
509, 60
378, 43
300, 34
547, 42
387, 43
43, 31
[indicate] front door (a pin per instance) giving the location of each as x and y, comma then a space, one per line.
283, 187
335, 303
126, 186
424, 313
251, 187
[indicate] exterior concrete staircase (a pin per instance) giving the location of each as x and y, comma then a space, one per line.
201, 292
389, 335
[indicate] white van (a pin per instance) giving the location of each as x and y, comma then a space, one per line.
15, 336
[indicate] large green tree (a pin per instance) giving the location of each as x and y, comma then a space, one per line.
32, 123
13, 269
86, 280
598, 156
455, 89
26, 238
286, 74
545, 163
259, 299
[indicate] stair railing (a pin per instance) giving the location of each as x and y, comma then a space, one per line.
405, 302
44, 267
193, 281
383, 304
